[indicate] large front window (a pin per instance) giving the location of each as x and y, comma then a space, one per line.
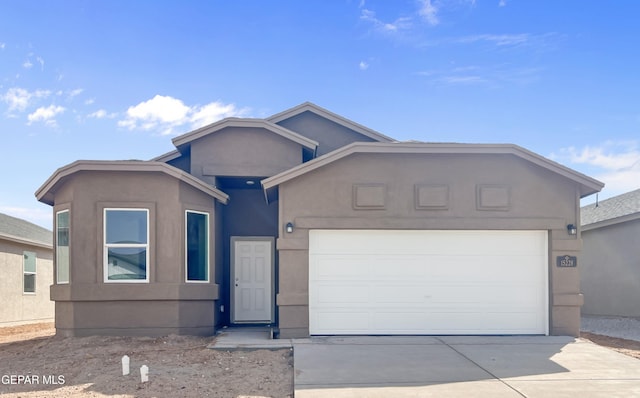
62, 246
126, 245
197, 246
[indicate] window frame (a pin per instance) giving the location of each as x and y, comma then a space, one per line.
68, 246
186, 246
106, 246
25, 272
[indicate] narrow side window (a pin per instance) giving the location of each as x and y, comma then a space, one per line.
62, 246
29, 272
197, 246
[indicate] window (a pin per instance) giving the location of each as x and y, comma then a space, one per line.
197, 246
62, 246
126, 245
29, 272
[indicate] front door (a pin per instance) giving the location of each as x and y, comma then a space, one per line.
252, 279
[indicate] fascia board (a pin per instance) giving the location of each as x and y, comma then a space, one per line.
611, 221
45, 194
311, 107
588, 184
244, 122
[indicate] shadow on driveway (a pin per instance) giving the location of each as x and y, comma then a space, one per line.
495, 366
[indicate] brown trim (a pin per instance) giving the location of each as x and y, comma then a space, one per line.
313, 108
588, 185
46, 192
238, 122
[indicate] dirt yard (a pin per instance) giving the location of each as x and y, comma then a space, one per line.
35, 363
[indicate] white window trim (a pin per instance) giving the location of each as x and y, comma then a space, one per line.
35, 273
58, 281
186, 253
105, 246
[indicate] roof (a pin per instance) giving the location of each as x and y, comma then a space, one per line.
22, 231
310, 107
46, 192
187, 138
621, 208
587, 184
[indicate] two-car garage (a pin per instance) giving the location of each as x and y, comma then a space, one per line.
428, 282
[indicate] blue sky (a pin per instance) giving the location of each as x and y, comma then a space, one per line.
118, 79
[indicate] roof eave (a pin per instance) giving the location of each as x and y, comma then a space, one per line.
45, 193
611, 221
187, 138
588, 185
25, 241
327, 114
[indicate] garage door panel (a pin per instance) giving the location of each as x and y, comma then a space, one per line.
332, 293
428, 282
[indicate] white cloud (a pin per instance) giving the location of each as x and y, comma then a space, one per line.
76, 92
46, 115
363, 65
2, 46
399, 24
41, 62
165, 114
615, 163
89, 101
498, 40
502, 3
19, 98
429, 12
27, 64
99, 114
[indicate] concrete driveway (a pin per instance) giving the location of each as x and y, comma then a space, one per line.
460, 366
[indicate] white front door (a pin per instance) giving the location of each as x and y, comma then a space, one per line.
252, 279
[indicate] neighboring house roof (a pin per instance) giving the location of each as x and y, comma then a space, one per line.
22, 231
310, 107
238, 122
588, 185
46, 192
621, 208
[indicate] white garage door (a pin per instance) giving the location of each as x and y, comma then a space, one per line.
427, 282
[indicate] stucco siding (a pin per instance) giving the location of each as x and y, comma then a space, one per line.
610, 270
328, 134
243, 151
19, 307
519, 195
88, 304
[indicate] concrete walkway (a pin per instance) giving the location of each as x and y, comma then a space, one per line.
457, 366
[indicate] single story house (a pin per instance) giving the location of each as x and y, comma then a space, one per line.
317, 225
610, 269
26, 265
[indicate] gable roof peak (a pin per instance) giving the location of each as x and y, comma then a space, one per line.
212, 128
334, 117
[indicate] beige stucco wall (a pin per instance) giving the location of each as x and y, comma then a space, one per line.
17, 307
518, 195
610, 270
166, 304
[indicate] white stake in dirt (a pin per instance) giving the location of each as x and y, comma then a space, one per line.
125, 365
144, 373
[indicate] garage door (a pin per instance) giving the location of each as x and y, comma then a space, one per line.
427, 282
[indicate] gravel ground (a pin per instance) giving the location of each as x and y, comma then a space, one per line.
620, 327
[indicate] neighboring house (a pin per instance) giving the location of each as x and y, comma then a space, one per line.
610, 269
26, 265
317, 225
